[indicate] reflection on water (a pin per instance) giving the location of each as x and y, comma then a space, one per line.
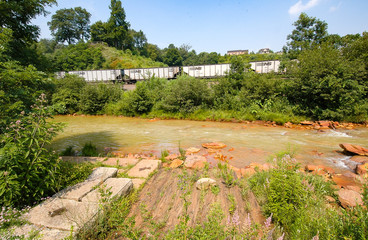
250, 142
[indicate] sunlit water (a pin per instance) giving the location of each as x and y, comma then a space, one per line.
246, 142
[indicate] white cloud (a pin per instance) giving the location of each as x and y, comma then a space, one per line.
334, 8
300, 7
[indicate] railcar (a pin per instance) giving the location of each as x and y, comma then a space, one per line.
139, 74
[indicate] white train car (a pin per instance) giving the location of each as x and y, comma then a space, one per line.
138, 74
207, 71
100, 75
265, 66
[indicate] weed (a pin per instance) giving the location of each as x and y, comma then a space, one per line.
227, 175
89, 150
232, 206
215, 189
69, 151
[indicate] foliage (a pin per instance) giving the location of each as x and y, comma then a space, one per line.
17, 16
227, 175
70, 25
67, 94
94, 98
28, 170
172, 57
185, 94
69, 151
78, 57
326, 85
89, 150
308, 32
19, 87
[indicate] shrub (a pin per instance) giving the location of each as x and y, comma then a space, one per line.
27, 169
89, 150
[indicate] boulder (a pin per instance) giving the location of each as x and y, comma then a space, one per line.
288, 125
176, 163
305, 122
354, 149
172, 157
194, 161
349, 198
205, 183
361, 169
359, 159
214, 145
311, 168
192, 150
324, 124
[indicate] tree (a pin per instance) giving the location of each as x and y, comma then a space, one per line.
17, 15
308, 32
70, 25
172, 57
117, 26
99, 32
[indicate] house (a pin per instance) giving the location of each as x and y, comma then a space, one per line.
237, 52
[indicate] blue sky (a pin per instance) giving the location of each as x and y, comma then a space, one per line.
221, 25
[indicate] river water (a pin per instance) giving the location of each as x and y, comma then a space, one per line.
246, 143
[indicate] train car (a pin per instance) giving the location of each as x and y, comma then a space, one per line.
138, 74
207, 71
100, 75
266, 66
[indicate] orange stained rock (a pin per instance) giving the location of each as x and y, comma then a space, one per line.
231, 149
214, 145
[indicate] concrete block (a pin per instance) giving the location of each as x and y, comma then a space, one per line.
117, 187
137, 182
123, 162
42, 233
144, 168
103, 173
73, 215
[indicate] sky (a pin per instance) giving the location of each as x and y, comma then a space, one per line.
222, 25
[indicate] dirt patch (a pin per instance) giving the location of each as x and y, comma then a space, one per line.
160, 201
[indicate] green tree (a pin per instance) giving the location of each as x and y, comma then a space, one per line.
172, 56
17, 15
309, 31
117, 26
70, 25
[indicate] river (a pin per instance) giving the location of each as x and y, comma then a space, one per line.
246, 143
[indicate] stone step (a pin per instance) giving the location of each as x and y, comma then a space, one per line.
144, 168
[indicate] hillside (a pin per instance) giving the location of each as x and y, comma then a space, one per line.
116, 59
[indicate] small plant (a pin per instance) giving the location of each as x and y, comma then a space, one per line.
182, 153
164, 154
215, 189
89, 150
232, 207
227, 175
69, 151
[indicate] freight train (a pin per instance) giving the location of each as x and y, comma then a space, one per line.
139, 74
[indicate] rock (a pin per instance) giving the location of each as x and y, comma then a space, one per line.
103, 173
316, 126
343, 181
266, 166
205, 183
236, 170
192, 150
361, 169
354, 188
172, 157
354, 149
330, 199
288, 125
144, 168
116, 186
176, 163
311, 168
359, 159
214, 145
247, 172
349, 198
199, 165
256, 166
193, 160
324, 124
305, 122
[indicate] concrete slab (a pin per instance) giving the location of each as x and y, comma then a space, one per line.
144, 168
117, 187
78, 191
69, 215
103, 173
123, 162
137, 182
42, 233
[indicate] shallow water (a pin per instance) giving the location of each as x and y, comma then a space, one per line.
246, 142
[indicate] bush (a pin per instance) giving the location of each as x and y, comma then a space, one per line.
89, 150
27, 169
186, 94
